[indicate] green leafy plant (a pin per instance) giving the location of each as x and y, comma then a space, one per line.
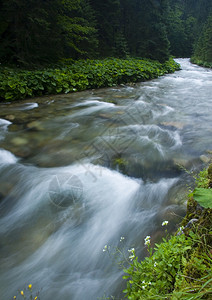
203, 197
71, 76
155, 276
202, 194
179, 267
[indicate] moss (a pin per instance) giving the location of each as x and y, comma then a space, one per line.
197, 271
121, 163
210, 175
194, 210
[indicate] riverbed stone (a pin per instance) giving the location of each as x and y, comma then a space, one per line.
23, 153
36, 125
19, 141
5, 188
205, 159
177, 125
181, 162
15, 127
10, 117
105, 116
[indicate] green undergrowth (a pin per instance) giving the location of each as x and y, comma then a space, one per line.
201, 63
71, 76
180, 267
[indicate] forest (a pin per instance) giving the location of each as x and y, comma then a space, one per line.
38, 33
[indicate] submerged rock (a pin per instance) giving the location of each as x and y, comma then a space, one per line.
205, 159
10, 117
36, 125
5, 188
19, 141
15, 127
177, 125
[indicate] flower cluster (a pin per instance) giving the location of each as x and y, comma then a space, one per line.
165, 223
147, 240
106, 248
122, 238
22, 292
145, 284
132, 253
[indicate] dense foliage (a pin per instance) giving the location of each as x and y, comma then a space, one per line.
203, 47
34, 33
79, 75
181, 266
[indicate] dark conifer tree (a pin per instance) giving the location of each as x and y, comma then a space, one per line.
36, 32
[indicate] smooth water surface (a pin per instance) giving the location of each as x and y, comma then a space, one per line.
79, 171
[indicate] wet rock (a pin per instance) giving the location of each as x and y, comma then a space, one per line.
181, 162
10, 117
205, 159
35, 125
178, 194
120, 112
105, 116
15, 127
5, 189
19, 141
177, 125
53, 159
22, 152
20, 118
131, 84
1, 197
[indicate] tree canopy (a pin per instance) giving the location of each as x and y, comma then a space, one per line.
34, 33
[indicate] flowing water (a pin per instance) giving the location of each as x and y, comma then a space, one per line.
79, 171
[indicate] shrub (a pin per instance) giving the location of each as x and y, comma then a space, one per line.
71, 76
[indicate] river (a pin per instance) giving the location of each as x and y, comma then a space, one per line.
80, 171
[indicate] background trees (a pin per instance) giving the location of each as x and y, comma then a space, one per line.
37, 32
203, 46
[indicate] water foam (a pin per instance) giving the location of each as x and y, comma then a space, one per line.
7, 157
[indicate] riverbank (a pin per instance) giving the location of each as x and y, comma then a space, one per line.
201, 63
181, 266
72, 76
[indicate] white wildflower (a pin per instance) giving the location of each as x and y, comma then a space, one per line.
122, 238
165, 223
132, 253
131, 257
131, 250
147, 240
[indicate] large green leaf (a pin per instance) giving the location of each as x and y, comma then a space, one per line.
203, 197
